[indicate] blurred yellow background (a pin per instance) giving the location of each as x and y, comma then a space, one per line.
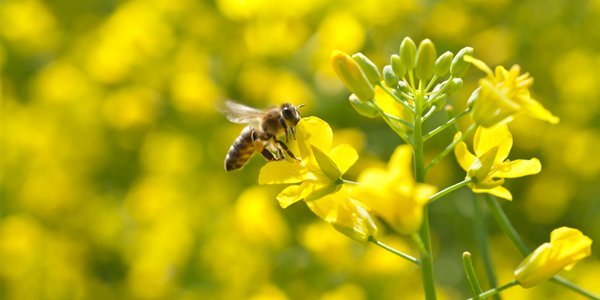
112, 183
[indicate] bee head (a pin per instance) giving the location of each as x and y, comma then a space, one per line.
290, 114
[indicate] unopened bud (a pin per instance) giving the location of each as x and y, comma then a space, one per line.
397, 65
408, 53
368, 67
453, 86
364, 108
390, 77
459, 66
426, 56
351, 75
442, 64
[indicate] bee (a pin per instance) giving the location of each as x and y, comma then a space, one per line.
260, 135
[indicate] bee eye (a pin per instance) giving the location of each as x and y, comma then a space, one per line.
287, 113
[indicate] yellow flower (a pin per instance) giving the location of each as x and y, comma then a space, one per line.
488, 167
504, 94
393, 194
567, 246
317, 179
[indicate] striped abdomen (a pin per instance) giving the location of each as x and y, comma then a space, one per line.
241, 150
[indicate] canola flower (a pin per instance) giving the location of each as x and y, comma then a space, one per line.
488, 166
567, 246
393, 194
504, 94
317, 179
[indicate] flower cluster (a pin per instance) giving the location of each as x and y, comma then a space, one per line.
416, 84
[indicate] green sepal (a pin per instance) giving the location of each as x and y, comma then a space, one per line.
326, 164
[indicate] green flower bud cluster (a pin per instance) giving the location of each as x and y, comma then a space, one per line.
413, 70
419, 68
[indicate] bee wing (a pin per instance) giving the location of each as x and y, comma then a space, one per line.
239, 113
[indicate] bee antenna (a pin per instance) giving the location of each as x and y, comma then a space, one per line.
300, 105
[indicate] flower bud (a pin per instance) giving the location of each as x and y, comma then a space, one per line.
473, 98
440, 101
408, 53
390, 77
397, 65
459, 66
351, 75
425, 60
566, 247
403, 87
368, 67
453, 86
442, 64
364, 108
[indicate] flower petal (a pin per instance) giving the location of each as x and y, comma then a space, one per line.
294, 193
536, 110
313, 131
519, 168
498, 191
400, 164
463, 156
487, 138
344, 156
281, 172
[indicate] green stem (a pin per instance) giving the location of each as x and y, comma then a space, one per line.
394, 251
471, 276
510, 231
391, 124
419, 166
505, 224
444, 126
450, 147
448, 190
406, 105
399, 120
428, 114
497, 290
481, 234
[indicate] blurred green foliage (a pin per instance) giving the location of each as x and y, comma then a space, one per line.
112, 183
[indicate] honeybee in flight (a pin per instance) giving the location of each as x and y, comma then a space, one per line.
260, 135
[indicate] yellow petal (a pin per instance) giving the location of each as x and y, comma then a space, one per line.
498, 191
479, 64
281, 172
536, 110
463, 156
400, 164
313, 131
344, 156
387, 103
519, 168
487, 138
294, 193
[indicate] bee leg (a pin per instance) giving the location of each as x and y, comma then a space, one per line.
268, 155
287, 150
293, 130
284, 126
